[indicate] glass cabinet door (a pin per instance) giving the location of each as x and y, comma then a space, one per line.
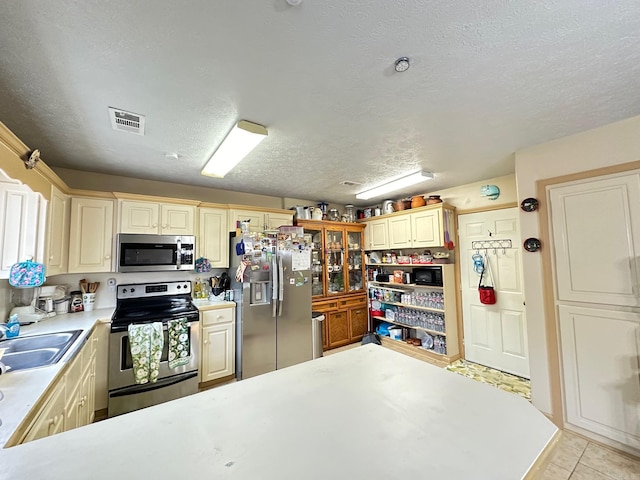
317, 264
355, 266
334, 247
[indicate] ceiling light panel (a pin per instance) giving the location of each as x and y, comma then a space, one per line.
394, 185
243, 138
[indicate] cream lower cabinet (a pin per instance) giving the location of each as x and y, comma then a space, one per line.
57, 253
218, 343
71, 401
156, 218
51, 419
260, 220
213, 236
91, 235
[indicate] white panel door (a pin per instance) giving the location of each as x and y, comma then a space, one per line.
494, 335
601, 372
596, 235
218, 351
376, 235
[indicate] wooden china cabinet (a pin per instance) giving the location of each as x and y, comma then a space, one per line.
337, 279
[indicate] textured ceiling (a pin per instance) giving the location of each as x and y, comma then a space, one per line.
486, 79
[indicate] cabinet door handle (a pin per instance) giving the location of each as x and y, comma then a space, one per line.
155, 225
107, 257
205, 341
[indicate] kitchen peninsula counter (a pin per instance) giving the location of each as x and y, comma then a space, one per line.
23, 388
368, 412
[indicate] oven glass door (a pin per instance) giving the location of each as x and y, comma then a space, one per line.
121, 363
147, 254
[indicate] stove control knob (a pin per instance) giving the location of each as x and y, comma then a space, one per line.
124, 290
185, 286
178, 287
132, 290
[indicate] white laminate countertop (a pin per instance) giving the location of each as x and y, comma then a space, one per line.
23, 388
368, 413
204, 305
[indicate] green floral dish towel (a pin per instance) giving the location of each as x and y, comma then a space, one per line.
146, 341
178, 342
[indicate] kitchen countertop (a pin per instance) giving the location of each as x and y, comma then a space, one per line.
23, 388
203, 305
367, 412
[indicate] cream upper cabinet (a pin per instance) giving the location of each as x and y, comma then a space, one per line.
218, 344
376, 235
426, 229
400, 232
57, 254
22, 224
260, 220
156, 218
275, 220
91, 235
213, 236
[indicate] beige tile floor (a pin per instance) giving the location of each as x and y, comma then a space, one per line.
574, 457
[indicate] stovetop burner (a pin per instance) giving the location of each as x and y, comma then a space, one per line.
157, 302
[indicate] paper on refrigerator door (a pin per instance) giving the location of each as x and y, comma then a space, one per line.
300, 260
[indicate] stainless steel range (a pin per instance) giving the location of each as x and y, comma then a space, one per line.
146, 303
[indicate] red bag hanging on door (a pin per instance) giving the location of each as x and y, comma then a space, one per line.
487, 292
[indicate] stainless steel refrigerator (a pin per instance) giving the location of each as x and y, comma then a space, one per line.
271, 280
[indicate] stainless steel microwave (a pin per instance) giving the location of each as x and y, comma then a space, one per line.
155, 253
430, 276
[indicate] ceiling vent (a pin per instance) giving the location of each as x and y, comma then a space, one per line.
126, 121
349, 183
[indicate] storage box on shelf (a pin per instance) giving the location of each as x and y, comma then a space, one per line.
426, 313
337, 279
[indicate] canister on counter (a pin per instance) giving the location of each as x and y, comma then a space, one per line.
75, 303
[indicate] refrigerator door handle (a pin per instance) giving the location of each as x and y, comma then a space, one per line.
281, 284
274, 287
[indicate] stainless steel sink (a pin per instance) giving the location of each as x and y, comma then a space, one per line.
37, 350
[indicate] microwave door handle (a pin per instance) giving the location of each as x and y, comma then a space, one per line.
178, 254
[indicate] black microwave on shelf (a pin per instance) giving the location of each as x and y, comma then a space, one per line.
428, 276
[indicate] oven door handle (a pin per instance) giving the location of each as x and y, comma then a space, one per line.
149, 387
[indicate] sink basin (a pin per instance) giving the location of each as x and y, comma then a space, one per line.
31, 358
35, 342
37, 350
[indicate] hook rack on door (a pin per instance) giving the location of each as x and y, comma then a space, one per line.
491, 244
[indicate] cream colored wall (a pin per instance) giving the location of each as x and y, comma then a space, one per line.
114, 183
467, 197
612, 144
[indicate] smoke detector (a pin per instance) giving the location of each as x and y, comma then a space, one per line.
126, 121
402, 64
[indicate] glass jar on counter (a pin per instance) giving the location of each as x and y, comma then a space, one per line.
75, 301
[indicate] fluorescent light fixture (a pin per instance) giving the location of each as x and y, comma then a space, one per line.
394, 185
243, 138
